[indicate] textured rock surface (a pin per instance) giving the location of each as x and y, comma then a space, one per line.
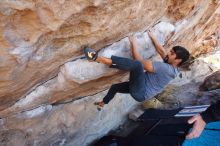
41, 61
76, 123
211, 82
38, 37
77, 78
43, 35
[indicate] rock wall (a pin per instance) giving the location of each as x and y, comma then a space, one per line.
43, 35
42, 64
39, 37
75, 123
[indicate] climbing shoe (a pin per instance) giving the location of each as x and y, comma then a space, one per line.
90, 53
99, 105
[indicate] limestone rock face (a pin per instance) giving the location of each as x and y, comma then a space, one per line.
76, 123
43, 69
211, 82
37, 38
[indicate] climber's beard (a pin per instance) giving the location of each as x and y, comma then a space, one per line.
166, 59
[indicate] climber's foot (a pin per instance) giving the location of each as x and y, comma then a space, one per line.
99, 105
90, 54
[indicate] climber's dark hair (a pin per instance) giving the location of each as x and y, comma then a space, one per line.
181, 53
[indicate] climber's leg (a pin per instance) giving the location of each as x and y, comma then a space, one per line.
115, 88
137, 85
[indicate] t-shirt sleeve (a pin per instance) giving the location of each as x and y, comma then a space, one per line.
160, 67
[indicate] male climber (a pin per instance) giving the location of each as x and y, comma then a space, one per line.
147, 78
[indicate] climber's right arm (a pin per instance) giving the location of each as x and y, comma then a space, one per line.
157, 45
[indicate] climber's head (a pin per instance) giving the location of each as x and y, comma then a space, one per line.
177, 56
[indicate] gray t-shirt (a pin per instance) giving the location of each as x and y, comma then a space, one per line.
156, 81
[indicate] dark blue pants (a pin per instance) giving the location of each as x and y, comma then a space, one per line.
136, 84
